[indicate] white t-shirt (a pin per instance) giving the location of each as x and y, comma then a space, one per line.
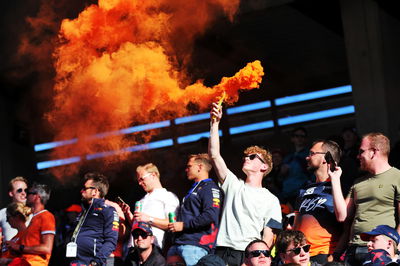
8, 231
247, 210
158, 204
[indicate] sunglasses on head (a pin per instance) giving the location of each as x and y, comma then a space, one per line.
138, 233
257, 253
31, 192
253, 156
297, 250
20, 190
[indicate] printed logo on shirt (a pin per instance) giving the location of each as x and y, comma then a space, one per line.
309, 191
216, 200
312, 204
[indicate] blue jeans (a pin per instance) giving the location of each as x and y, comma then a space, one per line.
191, 254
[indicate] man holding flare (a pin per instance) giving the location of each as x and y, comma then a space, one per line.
245, 213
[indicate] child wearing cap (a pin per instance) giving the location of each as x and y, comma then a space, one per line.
382, 245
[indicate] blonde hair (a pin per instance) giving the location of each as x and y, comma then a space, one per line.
202, 158
149, 168
18, 209
265, 154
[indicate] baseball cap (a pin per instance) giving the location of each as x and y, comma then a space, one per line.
382, 230
142, 226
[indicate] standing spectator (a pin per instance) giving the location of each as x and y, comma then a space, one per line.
315, 213
36, 242
294, 167
292, 247
198, 220
257, 253
156, 204
17, 188
249, 209
373, 199
145, 252
96, 233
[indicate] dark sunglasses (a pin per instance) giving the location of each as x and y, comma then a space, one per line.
21, 189
257, 253
297, 250
31, 193
141, 233
176, 264
253, 156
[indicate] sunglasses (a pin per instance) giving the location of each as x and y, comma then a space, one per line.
257, 253
141, 233
31, 193
297, 250
20, 190
176, 264
253, 156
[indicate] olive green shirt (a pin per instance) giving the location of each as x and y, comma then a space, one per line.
375, 198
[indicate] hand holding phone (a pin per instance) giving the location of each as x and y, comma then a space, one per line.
119, 199
329, 160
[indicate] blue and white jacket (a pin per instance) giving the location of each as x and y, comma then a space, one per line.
200, 214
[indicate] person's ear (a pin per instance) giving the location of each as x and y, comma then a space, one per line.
11, 194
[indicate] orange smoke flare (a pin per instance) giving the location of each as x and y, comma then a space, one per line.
116, 67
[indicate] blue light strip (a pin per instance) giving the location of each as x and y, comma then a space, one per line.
52, 145
54, 163
151, 145
316, 115
147, 146
313, 95
192, 118
248, 107
129, 130
195, 137
251, 127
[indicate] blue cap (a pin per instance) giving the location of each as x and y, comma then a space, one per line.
146, 227
382, 230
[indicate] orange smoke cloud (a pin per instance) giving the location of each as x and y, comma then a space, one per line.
121, 63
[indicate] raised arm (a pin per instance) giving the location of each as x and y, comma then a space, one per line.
343, 208
214, 145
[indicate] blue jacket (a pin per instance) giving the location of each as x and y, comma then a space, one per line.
200, 214
98, 236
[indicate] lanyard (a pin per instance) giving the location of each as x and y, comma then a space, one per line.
80, 223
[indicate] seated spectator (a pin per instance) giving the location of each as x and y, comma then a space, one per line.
257, 253
145, 252
175, 260
382, 245
292, 247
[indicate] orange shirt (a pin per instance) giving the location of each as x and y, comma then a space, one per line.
42, 223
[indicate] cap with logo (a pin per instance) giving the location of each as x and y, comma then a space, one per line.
142, 226
382, 230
